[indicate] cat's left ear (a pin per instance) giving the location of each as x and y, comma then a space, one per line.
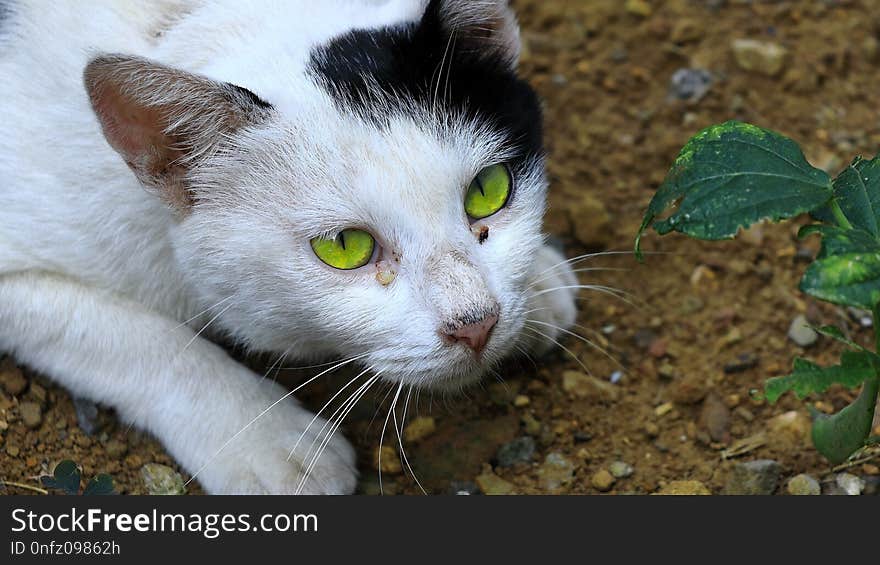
483, 27
164, 121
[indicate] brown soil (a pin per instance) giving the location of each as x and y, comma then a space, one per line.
612, 130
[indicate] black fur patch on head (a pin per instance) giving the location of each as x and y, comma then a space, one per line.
252, 98
370, 71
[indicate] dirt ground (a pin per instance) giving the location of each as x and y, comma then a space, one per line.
706, 322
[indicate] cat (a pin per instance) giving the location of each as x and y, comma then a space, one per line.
350, 180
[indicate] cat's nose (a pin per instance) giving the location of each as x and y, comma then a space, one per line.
474, 335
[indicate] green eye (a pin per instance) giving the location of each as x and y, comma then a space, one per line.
488, 193
349, 250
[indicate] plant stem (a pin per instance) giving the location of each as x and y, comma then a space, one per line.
24, 486
875, 312
842, 221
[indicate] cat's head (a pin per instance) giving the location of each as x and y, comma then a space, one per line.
388, 205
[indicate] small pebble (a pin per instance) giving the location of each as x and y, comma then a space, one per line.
684, 488
850, 484
754, 477
602, 480
389, 462
666, 371
801, 333
715, 418
803, 485
490, 483
520, 450
620, 470
742, 363
663, 409
521, 401
162, 480
419, 429
690, 84
759, 56
556, 472
31, 414
11, 377
87, 415
582, 437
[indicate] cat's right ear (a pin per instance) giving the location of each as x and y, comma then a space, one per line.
162, 121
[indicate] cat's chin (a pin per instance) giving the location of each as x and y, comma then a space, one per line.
447, 378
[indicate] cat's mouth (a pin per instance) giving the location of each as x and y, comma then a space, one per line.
447, 369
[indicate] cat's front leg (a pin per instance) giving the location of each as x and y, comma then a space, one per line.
213, 415
551, 306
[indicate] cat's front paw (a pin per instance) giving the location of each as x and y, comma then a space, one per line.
259, 461
552, 305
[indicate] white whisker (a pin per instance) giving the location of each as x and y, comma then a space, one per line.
264, 412
567, 350
205, 311
205, 327
585, 340
585, 270
346, 408
382, 436
400, 440
318, 413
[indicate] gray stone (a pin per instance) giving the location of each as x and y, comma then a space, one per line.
690, 84
555, 472
621, 470
162, 480
850, 484
754, 477
762, 57
87, 416
520, 450
804, 485
801, 333
31, 414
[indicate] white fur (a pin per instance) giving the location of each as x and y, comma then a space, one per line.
97, 274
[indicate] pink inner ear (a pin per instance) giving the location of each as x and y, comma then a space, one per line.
135, 131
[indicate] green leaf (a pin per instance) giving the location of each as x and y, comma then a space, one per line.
857, 191
99, 485
732, 175
65, 478
839, 436
847, 270
856, 367
835, 333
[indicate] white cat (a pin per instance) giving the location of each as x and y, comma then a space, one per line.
358, 180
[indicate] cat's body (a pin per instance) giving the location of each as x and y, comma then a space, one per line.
104, 285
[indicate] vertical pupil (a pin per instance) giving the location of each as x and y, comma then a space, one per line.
342, 240
479, 182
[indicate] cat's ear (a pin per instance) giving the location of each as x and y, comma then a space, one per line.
483, 27
162, 121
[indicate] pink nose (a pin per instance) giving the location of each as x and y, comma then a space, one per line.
475, 335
